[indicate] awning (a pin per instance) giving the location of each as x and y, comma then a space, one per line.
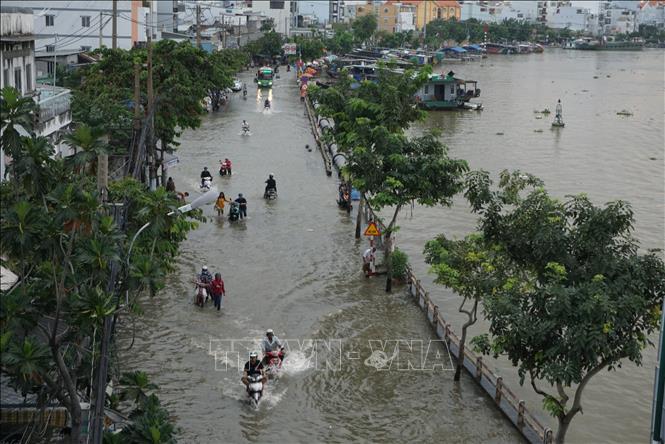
455, 49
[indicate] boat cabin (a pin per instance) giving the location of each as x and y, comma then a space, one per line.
446, 92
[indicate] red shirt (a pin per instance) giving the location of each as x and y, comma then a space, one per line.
217, 287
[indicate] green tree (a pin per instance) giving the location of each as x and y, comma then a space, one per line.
63, 243
364, 28
17, 114
467, 267
576, 297
390, 169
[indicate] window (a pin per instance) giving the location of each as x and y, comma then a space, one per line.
279, 4
49, 68
17, 80
28, 76
6, 77
86, 48
50, 48
385, 10
85, 21
426, 89
451, 12
49, 20
438, 13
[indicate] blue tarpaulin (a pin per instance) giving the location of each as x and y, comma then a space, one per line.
474, 47
455, 49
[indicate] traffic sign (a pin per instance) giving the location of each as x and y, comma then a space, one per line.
372, 230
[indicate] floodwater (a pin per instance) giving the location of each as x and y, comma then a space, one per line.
605, 155
294, 265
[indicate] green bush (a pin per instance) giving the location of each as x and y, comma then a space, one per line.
400, 262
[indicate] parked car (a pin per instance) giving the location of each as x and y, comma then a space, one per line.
237, 85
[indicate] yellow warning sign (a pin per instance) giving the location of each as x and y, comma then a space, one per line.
372, 230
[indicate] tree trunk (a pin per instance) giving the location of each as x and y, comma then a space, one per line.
387, 260
564, 423
472, 316
359, 217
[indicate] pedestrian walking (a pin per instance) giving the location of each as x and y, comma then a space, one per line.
170, 185
218, 291
220, 203
368, 261
242, 205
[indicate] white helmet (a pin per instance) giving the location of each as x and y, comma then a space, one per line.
269, 331
204, 268
253, 354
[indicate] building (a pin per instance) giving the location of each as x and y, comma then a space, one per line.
498, 11
336, 9
17, 57
85, 24
391, 16
617, 17
278, 10
651, 13
571, 17
428, 10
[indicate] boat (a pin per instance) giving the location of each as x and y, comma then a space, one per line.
264, 77
605, 44
448, 92
498, 48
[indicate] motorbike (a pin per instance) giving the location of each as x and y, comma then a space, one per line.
274, 364
245, 131
266, 104
201, 294
234, 211
224, 169
255, 389
244, 94
207, 184
271, 194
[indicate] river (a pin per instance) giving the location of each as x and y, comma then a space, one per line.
294, 265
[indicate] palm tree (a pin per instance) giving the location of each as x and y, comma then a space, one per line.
16, 113
135, 387
89, 140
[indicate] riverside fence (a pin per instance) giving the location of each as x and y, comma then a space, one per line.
505, 399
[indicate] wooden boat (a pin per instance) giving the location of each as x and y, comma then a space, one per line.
448, 92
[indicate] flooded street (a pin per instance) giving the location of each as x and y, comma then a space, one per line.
294, 265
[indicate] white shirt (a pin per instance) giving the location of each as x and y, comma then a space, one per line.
268, 346
368, 256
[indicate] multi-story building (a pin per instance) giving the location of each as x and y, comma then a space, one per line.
615, 17
278, 10
428, 10
17, 57
651, 13
571, 17
498, 11
336, 10
391, 16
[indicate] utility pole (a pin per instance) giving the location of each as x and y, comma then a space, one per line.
101, 28
198, 25
152, 173
114, 43
175, 15
55, 60
133, 162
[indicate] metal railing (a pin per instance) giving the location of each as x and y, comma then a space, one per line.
505, 399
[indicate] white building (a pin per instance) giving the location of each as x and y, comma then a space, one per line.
278, 10
572, 17
406, 20
651, 13
498, 11
81, 25
17, 57
616, 17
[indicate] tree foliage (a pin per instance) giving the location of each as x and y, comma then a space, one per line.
389, 168
575, 295
63, 243
364, 28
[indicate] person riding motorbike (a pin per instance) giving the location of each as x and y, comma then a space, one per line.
271, 184
271, 343
203, 281
225, 167
245, 127
253, 367
266, 104
244, 90
205, 174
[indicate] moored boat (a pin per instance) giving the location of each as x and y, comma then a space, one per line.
447, 92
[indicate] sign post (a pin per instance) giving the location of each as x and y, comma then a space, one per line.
372, 231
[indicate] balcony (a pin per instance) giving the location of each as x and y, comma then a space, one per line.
54, 109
